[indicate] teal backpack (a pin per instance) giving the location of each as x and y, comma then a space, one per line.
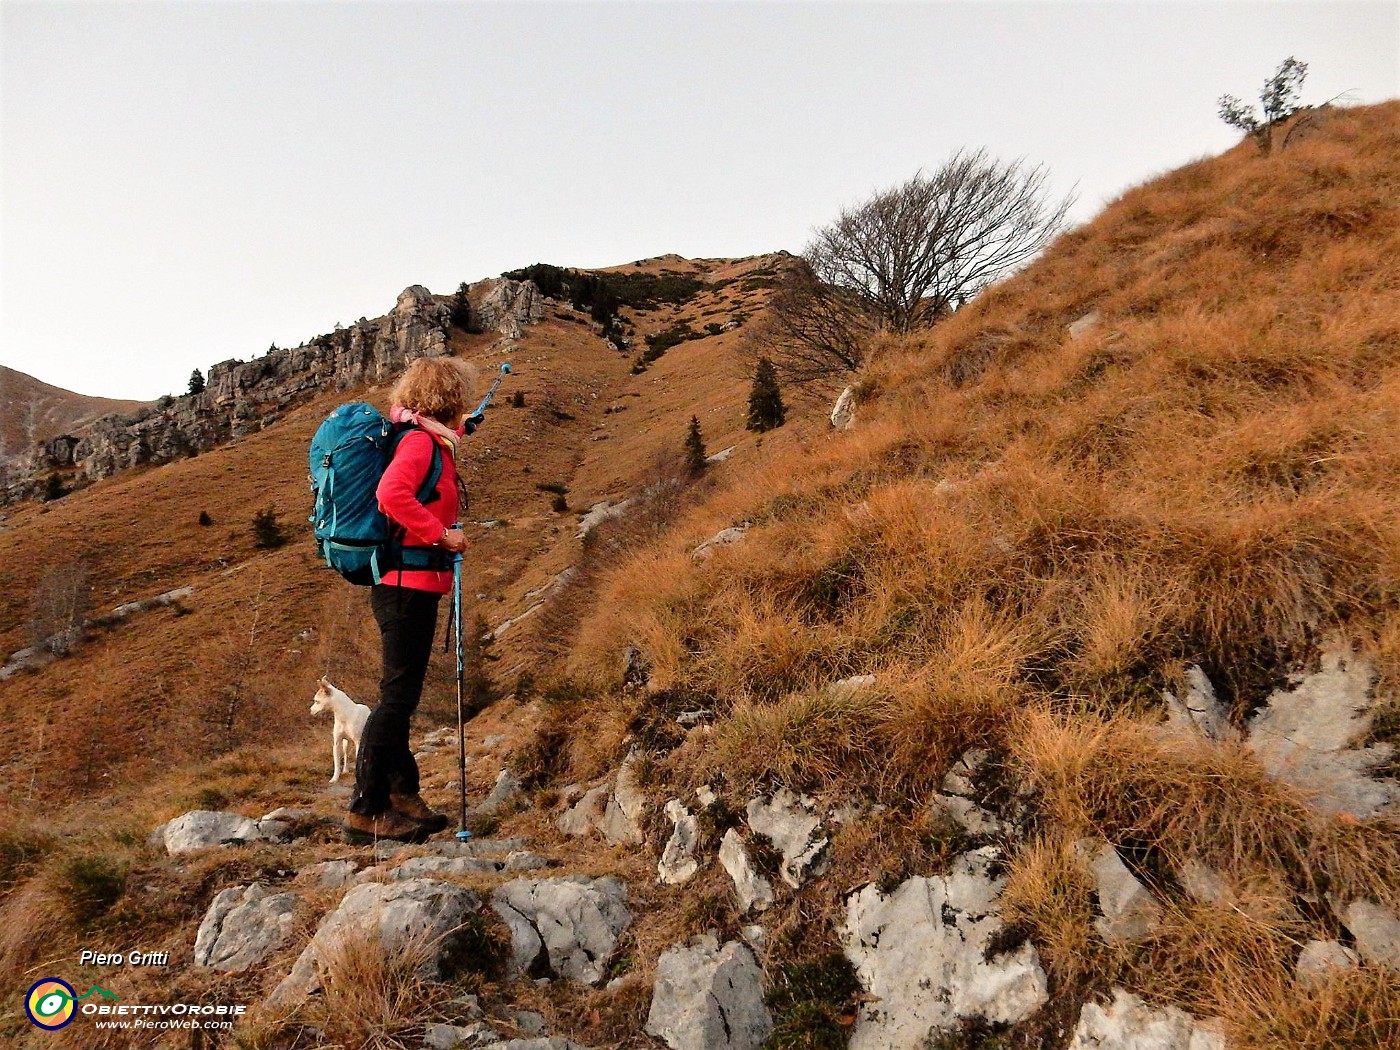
349, 453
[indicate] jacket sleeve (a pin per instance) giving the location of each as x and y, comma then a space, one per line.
398, 489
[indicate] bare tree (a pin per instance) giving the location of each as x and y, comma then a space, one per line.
811, 330
906, 258
914, 253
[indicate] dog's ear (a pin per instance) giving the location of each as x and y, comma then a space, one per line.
324, 683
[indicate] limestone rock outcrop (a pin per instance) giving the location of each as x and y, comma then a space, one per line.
243, 397
709, 998
922, 955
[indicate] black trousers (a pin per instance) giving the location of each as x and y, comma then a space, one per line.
384, 765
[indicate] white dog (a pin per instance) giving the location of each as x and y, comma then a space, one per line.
349, 725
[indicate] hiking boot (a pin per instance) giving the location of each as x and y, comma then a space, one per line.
360, 830
414, 808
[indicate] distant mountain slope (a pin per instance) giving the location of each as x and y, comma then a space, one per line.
31, 411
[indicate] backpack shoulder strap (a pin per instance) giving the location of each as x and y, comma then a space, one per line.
427, 491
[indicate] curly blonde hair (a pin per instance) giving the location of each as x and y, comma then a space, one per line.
440, 387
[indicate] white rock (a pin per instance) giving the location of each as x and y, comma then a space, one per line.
1309, 736
678, 864
524, 860
1377, 933
705, 795
1084, 325
959, 779
1130, 1024
331, 874
723, 538
849, 687
1199, 710
242, 927
399, 915
287, 813
599, 513
843, 415
577, 921
920, 954
1129, 911
709, 998
449, 1037
975, 820
755, 893
1321, 959
1204, 884
202, 828
433, 867
791, 825
586, 814
621, 823
506, 788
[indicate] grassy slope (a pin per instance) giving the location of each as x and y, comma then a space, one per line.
32, 411
1028, 535
135, 726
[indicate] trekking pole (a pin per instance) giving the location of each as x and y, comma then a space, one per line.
505, 371
462, 833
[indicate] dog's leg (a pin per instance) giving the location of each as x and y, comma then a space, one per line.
335, 758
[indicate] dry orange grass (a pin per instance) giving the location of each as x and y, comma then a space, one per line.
1029, 535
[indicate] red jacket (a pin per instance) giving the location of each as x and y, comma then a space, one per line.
424, 525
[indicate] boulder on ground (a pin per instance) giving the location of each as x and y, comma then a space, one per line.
709, 998
242, 927
1313, 737
1377, 932
202, 828
576, 921
422, 916
843, 414
1321, 959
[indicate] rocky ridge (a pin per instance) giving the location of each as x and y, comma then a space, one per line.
242, 397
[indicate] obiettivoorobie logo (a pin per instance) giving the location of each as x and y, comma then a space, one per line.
50, 1003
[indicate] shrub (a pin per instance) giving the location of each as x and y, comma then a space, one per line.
91, 885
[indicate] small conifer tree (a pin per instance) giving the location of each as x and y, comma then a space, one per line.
268, 533
694, 449
196, 382
766, 408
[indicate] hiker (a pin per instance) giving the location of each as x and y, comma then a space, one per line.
434, 395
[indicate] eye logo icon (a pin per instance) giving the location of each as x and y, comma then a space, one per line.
49, 1003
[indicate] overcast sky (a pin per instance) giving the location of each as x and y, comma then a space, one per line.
189, 182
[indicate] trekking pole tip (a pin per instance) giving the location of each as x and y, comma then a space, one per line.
463, 835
